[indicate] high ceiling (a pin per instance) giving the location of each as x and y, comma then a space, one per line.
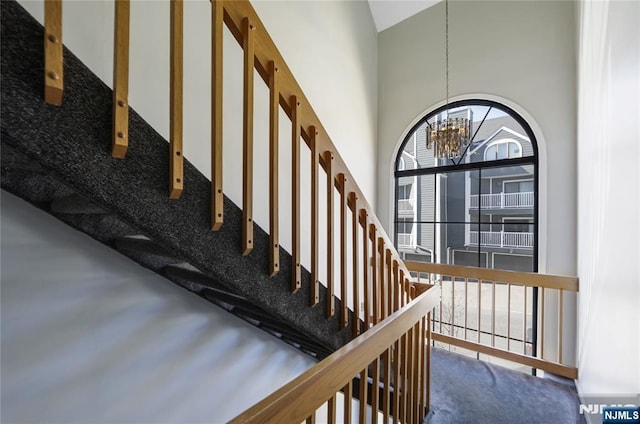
387, 13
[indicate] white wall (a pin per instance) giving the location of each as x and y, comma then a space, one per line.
90, 336
331, 48
521, 53
608, 198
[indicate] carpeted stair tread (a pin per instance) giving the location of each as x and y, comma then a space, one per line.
75, 204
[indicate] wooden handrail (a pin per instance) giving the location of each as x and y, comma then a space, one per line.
449, 275
529, 279
298, 399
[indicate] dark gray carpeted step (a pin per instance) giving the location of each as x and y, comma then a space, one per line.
75, 204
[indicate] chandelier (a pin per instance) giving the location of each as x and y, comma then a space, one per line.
448, 136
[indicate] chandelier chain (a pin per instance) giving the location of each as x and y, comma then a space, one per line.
446, 47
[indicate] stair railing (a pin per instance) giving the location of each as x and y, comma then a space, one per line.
472, 298
396, 353
378, 273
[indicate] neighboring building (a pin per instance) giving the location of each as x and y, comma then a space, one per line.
476, 210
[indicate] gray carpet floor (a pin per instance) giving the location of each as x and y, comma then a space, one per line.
465, 390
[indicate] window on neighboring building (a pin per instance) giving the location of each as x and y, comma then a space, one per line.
503, 149
478, 209
404, 192
405, 226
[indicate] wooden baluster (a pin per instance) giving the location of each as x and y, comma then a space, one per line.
176, 171
441, 308
408, 378
348, 395
401, 292
314, 292
331, 410
508, 316
389, 282
386, 369
427, 371
541, 323
453, 305
423, 364
355, 265
396, 381
493, 313
295, 194
382, 304
374, 275
396, 284
120, 137
524, 321
217, 196
417, 369
560, 322
363, 395
53, 62
365, 266
344, 311
247, 138
274, 106
375, 392
479, 307
466, 306
312, 418
330, 297
403, 378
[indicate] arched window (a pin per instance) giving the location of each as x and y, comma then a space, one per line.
478, 206
503, 149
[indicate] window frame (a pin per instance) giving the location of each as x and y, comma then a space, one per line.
532, 160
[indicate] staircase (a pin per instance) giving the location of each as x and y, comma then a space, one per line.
58, 158
95, 164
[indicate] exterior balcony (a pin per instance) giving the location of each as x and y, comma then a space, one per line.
518, 240
406, 208
523, 200
406, 241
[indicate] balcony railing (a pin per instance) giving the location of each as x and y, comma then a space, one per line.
406, 240
502, 200
501, 239
489, 311
405, 207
